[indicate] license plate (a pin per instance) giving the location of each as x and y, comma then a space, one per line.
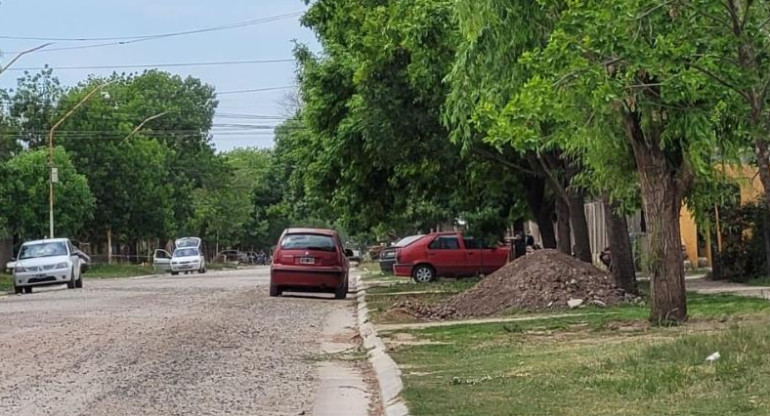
306, 260
40, 276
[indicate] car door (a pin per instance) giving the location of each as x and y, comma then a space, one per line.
447, 255
75, 259
474, 260
493, 258
161, 261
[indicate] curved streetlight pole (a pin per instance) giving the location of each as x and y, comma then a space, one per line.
53, 177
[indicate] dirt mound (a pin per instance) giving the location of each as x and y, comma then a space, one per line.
545, 279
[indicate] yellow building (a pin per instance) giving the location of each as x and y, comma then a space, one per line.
747, 179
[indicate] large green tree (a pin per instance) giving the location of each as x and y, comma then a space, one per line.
378, 155
24, 193
607, 79
165, 161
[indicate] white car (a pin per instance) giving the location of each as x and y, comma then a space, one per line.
47, 263
187, 260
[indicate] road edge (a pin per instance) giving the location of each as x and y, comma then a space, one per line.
385, 368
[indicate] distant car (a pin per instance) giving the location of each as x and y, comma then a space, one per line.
448, 254
187, 260
233, 255
374, 251
47, 263
388, 255
310, 260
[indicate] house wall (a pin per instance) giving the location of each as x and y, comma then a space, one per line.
689, 231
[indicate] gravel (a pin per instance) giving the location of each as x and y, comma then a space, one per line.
209, 344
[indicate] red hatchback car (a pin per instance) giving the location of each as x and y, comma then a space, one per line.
310, 260
448, 254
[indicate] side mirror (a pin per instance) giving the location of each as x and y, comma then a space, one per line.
348, 252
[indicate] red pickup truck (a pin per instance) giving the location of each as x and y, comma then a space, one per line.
448, 254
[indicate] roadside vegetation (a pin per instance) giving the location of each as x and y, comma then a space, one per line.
601, 362
112, 271
6, 282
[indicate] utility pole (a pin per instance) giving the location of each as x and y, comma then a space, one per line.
53, 178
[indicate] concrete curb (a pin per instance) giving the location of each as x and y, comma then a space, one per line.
385, 369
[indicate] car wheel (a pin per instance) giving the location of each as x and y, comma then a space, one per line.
174, 273
18, 290
342, 292
423, 274
275, 291
71, 282
28, 289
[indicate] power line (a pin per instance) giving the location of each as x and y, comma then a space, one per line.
288, 87
125, 40
150, 66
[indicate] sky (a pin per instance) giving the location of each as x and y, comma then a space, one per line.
118, 18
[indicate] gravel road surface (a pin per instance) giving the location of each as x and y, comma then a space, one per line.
212, 344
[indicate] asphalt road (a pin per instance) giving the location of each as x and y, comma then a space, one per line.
212, 344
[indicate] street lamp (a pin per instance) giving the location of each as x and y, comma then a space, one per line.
147, 120
53, 178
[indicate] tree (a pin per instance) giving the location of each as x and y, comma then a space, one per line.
167, 160
485, 77
731, 51
34, 104
24, 196
599, 75
377, 155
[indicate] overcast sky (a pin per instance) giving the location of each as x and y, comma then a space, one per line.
116, 18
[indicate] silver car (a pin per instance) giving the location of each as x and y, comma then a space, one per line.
47, 263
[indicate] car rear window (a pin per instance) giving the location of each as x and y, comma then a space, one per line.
408, 240
186, 252
307, 242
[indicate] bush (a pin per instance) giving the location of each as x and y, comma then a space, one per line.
743, 256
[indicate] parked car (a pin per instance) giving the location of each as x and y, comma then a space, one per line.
232, 255
187, 260
310, 260
448, 254
374, 251
47, 263
388, 255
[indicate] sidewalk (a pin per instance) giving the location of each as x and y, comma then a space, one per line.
701, 285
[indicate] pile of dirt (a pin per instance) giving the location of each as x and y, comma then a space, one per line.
545, 279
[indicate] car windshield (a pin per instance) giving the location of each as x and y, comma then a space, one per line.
407, 240
33, 251
186, 252
308, 242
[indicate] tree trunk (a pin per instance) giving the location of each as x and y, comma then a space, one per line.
577, 214
109, 246
542, 209
545, 225
663, 186
622, 267
564, 239
763, 165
